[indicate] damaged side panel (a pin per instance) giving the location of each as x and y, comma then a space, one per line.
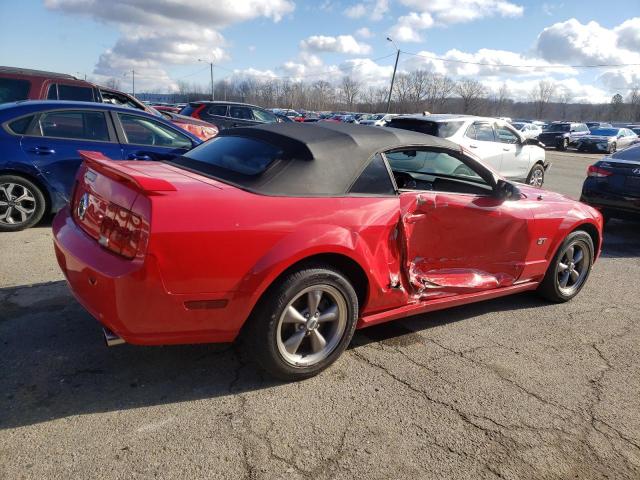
455, 243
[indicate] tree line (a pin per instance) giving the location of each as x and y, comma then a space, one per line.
414, 92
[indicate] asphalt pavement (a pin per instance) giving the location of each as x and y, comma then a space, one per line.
513, 388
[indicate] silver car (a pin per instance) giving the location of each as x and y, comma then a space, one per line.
527, 130
607, 140
494, 141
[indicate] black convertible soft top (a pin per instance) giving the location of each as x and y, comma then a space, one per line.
319, 159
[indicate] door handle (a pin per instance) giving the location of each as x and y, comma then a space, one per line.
473, 145
135, 156
506, 149
42, 150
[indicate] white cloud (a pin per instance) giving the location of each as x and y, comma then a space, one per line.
629, 34
493, 64
158, 33
408, 27
364, 32
374, 9
346, 44
460, 11
520, 90
550, 8
572, 42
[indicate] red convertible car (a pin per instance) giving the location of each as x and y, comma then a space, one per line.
292, 236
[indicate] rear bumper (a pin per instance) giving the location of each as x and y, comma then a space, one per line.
128, 296
611, 203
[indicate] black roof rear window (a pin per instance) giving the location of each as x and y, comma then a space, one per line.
231, 158
12, 90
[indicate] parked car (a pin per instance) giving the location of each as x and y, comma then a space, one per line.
229, 114
283, 119
527, 130
201, 129
606, 140
377, 120
39, 141
563, 135
341, 119
613, 184
493, 141
167, 108
592, 125
24, 84
321, 251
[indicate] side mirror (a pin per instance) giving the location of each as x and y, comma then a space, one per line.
506, 191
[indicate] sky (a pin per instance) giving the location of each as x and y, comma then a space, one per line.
518, 42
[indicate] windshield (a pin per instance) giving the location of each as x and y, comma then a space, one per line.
605, 132
518, 125
558, 127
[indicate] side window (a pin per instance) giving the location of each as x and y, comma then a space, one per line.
242, 113
52, 94
76, 125
219, 110
374, 179
73, 92
484, 132
12, 90
144, 131
263, 116
21, 125
505, 135
434, 170
471, 132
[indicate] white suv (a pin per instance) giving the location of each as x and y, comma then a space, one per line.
494, 141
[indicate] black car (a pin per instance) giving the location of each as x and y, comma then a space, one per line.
613, 184
562, 135
228, 114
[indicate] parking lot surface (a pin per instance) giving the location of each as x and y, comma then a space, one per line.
509, 388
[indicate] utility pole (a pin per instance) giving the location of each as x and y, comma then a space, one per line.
133, 83
212, 87
393, 77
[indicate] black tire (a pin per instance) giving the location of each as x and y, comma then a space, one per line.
537, 174
11, 219
563, 145
613, 148
551, 287
261, 334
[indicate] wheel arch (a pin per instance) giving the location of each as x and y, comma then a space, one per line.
592, 231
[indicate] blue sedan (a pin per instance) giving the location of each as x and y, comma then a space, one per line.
39, 143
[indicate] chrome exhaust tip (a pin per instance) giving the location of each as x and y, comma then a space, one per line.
111, 339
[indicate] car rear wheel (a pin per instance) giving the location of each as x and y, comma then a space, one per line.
536, 176
303, 323
22, 203
570, 268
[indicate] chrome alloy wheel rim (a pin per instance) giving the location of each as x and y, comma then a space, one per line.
537, 177
17, 204
572, 268
312, 325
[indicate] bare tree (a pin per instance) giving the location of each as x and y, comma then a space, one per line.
439, 89
321, 93
402, 91
113, 83
349, 90
472, 93
617, 107
541, 96
564, 99
503, 99
634, 104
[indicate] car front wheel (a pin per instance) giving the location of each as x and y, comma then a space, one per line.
22, 204
569, 269
613, 147
536, 176
303, 323
562, 146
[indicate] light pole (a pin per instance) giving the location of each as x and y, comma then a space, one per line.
210, 65
133, 82
393, 77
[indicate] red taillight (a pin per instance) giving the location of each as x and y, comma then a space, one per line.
122, 231
196, 112
598, 172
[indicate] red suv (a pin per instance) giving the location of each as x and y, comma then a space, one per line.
25, 84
